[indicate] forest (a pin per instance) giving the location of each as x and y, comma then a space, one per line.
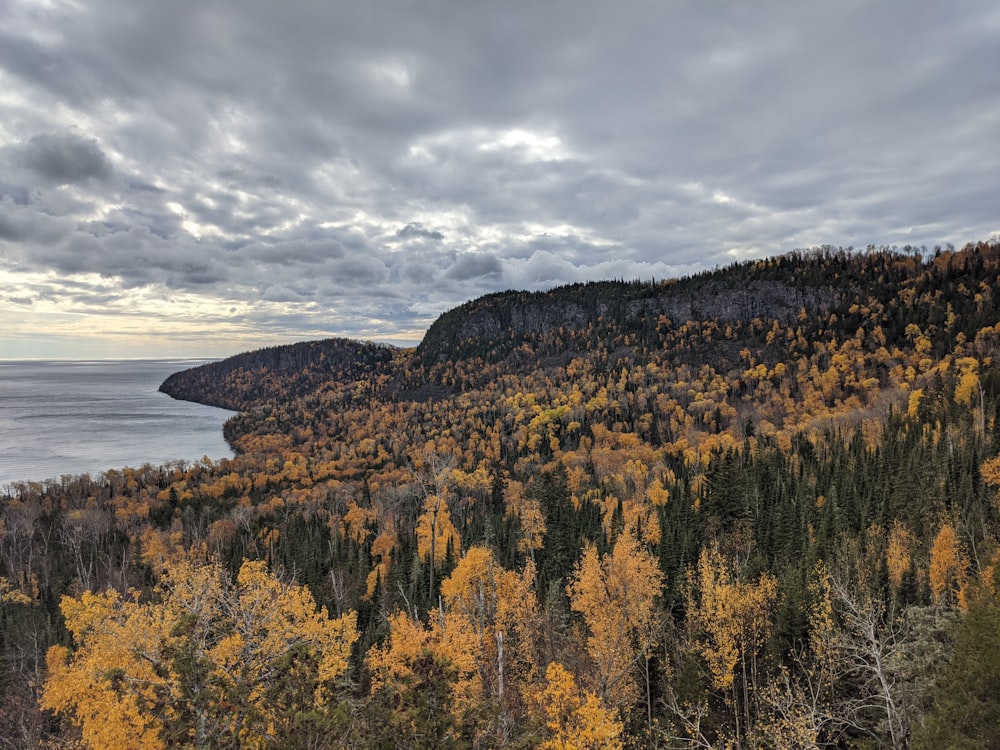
758, 507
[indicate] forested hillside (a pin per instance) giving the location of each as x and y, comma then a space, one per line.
754, 508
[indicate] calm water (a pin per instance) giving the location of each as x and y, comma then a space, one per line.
68, 417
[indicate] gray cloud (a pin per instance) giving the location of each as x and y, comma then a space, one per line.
65, 159
474, 266
294, 252
23, 225
357, 168
416, 230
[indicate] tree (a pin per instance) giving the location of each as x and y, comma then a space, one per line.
948, 567
417, 712
436, 533
207, 659
898, 554
575, 719
441, 659
483, 633
528, 512
736, 619
500, 606
10, 594
616, 595
966, 705
866, 648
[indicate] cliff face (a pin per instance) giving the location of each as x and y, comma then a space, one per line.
494, 325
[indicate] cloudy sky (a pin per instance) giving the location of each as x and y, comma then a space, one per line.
202, 178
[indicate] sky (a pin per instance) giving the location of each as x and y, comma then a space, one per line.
203, 178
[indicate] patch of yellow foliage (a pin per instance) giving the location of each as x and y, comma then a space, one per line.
206, 646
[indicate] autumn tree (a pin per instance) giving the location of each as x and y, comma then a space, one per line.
500, 607
209, 659
948, 567
528, 511
575, 719
436, 534
990, 472
736, 618
418, 711
482, 635
616, 594
439, 657
10, 594
898, 554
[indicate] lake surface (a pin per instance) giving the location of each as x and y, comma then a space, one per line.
77, 417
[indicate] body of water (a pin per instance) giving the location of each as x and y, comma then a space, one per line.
76, 417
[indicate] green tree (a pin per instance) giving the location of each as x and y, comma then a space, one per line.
966, 705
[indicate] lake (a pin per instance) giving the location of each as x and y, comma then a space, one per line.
77, 417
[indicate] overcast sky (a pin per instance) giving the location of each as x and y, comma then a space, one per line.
202, 178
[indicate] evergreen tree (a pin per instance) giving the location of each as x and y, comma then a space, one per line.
966, 706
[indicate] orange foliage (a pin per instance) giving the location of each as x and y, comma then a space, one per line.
948, 566
616, 595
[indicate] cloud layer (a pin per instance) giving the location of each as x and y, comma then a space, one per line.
205, 177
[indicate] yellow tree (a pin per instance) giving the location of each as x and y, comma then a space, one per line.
532, 527
990, 472
575, 719
898, 554
483, 631
948, 567
208, 659
528, 512
616, 594
436, 532
500, 607
736, 619
399, 667
382, 549
434, 467
967, 389
10, 594
107, 687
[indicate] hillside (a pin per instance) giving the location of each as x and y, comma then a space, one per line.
689, 512
829, 330
493, 326
277, 373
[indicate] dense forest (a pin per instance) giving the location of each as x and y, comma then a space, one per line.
754, 508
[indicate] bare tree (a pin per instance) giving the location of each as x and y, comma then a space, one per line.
867, 646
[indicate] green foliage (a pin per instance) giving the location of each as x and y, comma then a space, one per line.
418, 714
965, 710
